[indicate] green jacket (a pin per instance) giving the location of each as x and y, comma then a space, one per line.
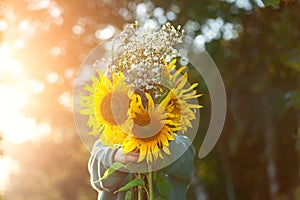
179, 173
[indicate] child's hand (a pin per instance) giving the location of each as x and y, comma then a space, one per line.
125, 158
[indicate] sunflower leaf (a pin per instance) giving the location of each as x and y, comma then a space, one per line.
161, 98
131, 184
115, 166
162, 185
128, 195
160, 198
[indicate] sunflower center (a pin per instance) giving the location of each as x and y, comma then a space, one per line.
142, 119
147, 126
113, 107
177, 108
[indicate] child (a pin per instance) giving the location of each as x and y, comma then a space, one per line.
179, 173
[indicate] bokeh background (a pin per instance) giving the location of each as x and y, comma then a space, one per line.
255, 44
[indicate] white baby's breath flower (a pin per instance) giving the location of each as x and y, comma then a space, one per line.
143, 53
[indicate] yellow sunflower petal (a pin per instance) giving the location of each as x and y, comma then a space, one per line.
129, 146
177, 73
167, 150
98, 106
179, 84
143, 152
150, 101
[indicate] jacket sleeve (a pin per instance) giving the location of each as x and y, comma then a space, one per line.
101, 159
182, 169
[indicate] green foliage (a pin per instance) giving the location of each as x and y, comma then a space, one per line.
161, 98
297, 193
271, 2
128, 195
160, 198
115, 166
135, 182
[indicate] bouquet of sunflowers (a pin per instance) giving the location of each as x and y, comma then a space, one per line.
142, 100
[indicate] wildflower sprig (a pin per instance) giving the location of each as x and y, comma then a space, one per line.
143, 53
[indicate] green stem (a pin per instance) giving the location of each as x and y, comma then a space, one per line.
150, 182
139, 188
146, 190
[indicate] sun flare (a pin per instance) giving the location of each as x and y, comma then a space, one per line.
14, 95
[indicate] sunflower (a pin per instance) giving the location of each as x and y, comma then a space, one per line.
176, 102
151, 131
107, 106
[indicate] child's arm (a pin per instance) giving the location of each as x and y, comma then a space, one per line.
183, 167
181, 172
101, 159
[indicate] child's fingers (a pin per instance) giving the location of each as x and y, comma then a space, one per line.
126, 157
130, 158
133, 154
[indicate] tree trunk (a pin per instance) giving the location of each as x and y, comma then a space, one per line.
270, 146
223, 153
